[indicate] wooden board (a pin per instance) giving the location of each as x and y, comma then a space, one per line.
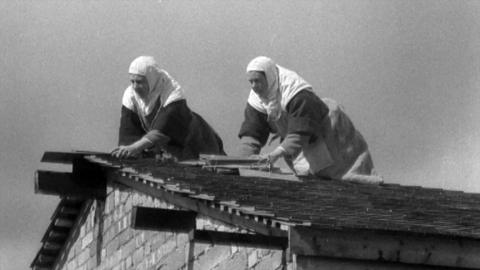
223, 160
271, 175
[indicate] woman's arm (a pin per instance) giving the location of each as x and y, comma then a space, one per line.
130, 127
305, 112
254, 131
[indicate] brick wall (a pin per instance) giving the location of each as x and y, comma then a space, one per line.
102, 239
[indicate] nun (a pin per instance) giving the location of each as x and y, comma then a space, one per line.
317, 138
155, 117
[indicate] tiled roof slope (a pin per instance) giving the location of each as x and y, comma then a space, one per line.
324, 203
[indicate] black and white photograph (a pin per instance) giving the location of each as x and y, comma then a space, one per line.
252, 134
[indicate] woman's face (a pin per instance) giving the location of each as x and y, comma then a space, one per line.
139, 85
258, 82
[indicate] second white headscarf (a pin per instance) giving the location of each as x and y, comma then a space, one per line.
282, 85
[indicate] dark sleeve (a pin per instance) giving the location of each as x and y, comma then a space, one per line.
305, 114
255, 125
174, 121
130, 127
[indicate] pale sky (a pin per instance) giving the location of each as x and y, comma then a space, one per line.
407, 72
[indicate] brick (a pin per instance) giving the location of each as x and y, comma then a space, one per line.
214, 256
82, 231
158, 240
117, 257
238, 261
103, 254
174, 260
168, 247
138, 255
200, 249
128, 204
91, 263
71, 265
272, 261
140, 239
129, 247
151, 260
233, 249
141, 266
112, 247
110, 189
116, 197
83, 256
87, 240
252, 258
125, 236
124, 195
265, 252
77, 247
93, 250
128, 262
182, 238
147, 248
109, 234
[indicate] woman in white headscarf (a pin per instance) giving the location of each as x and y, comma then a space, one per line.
155, 117
317, 137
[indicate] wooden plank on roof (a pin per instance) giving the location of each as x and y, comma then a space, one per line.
66, 157
225, 160
148, 218
65, 184
386, 246
240, 239
269, 175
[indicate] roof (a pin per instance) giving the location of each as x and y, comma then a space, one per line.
315, 203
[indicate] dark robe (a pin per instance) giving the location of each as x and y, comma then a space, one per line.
187, 132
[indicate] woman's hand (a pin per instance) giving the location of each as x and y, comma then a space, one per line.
132, 150
276, 154
123, 151
272, 157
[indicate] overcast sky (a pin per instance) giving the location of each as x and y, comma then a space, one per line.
407, 72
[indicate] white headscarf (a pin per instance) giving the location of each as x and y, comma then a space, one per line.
282, 86
160, 84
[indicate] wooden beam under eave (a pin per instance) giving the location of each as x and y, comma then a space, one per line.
64, 184
386, 246
147, 218
240, 239
46, 259
196, 206
52, 246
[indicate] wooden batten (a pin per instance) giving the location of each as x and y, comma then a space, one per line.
45, 258
63, 222
147, 218
40, 267
385, 246
66, 157
65, 184
240, 239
